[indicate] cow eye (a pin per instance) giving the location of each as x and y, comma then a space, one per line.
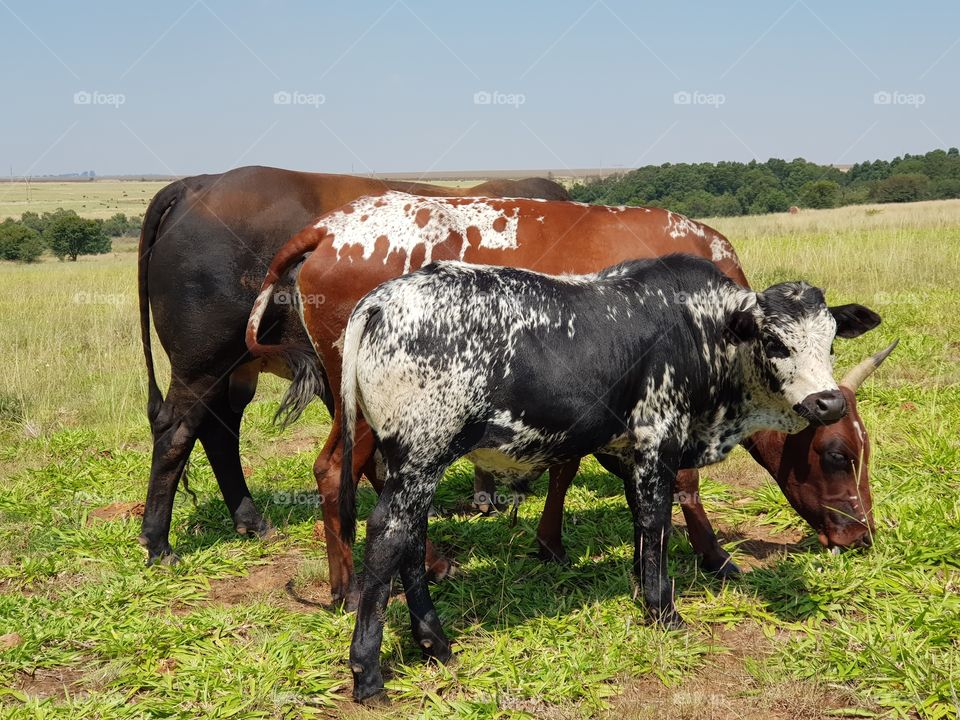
837, 459
773, 347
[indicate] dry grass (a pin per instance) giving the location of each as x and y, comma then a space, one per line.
94, 199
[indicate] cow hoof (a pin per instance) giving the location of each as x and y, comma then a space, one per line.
158, 553
378, 699
167, 558
553, 555
437, 650
724, 568
263, 530
368, 688
439, 570
248, 520
346, 603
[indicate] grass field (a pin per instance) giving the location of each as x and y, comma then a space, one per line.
101, 198
87, 631
94, 199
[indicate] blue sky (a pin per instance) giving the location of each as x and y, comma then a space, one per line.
189, 86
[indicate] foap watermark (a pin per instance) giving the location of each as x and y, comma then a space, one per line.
495, 97
899, 298
498, 499
95, 97
895, 97
695, 97
295, 97
304, 498
85, 297
285, 297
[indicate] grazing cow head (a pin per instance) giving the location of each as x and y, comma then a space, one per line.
791, 331
824, 471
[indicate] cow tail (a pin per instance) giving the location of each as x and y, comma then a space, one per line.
348, 418
307, 380
156, 212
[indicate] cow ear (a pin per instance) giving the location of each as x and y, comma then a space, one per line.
741, 327
854, 320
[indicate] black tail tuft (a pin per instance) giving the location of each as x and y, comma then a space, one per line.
306, 385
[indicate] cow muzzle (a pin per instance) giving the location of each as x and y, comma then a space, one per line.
822, 408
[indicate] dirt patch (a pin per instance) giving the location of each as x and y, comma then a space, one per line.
116, 511
51, 683
762, 547
275, 582
723, 689
739, 472
298, 441
10, 640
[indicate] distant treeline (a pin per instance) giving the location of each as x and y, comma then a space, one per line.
63, 233
734, 188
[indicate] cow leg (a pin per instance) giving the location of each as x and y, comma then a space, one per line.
326, 470
436, 566
550, 530
650, 496
220, 436
174, 433
715, 559
395, 542
484, 490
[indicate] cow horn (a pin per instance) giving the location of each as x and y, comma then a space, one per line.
856, 375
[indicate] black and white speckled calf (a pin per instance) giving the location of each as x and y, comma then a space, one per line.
653, 365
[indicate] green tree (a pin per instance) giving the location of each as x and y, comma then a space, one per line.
697, 204
71, 236
33, 221
769, 201
901, 188
19, 242
726, 205
820, 194
117, 225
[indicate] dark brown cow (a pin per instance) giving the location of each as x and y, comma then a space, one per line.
368, 241
205, 245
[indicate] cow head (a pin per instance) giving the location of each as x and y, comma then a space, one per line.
824, 471
790, 333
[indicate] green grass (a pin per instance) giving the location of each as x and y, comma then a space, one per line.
804, 634
97, 199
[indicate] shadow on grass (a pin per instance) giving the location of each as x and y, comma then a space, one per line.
496, 559
209, 522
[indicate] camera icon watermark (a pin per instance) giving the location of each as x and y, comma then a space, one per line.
295, 97
695, 97
895, 97
495, 97
95, 97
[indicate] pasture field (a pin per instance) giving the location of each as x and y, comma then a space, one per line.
234, 630
103, 198
92, 199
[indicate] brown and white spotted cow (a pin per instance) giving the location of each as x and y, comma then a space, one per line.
823, 471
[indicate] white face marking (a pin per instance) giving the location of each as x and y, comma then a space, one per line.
808, 369
859, 431
401, 222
